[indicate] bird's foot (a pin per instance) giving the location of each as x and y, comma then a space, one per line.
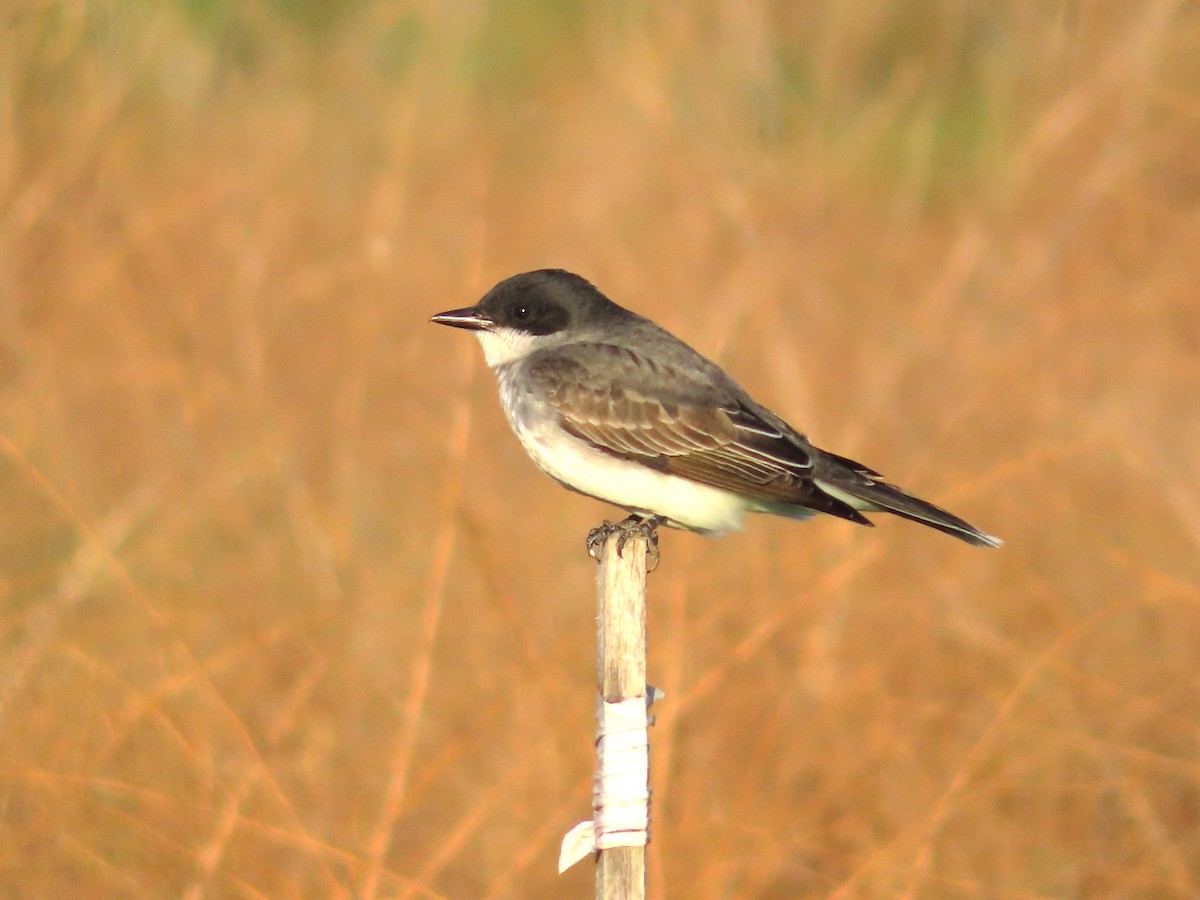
633, 526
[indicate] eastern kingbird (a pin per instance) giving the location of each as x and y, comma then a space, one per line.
612, 406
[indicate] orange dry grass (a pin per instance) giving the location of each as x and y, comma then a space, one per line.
286, 611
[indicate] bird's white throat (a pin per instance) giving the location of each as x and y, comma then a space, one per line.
505, 345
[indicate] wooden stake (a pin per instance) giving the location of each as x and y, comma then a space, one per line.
621, 675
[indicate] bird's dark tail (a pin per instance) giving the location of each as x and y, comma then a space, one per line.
863, 491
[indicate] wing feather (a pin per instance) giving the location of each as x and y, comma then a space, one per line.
621, 403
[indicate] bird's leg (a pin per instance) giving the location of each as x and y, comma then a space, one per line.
634, 525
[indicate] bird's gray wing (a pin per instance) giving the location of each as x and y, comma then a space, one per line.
695, 425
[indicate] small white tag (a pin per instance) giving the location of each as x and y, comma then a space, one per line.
579, 842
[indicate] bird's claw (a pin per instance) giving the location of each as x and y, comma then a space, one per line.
633, 526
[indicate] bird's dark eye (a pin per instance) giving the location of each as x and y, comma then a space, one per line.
520, 312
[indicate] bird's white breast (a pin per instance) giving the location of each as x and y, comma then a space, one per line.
575, 463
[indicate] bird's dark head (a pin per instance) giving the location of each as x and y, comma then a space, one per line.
520, 313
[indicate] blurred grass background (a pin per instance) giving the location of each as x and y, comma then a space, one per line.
286, 611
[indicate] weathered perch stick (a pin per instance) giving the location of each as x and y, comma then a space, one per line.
619, 829
621, 676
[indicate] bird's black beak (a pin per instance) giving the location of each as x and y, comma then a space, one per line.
469, 318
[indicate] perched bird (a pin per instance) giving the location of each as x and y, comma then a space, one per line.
611, 405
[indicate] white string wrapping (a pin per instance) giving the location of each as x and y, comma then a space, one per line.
621, 788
